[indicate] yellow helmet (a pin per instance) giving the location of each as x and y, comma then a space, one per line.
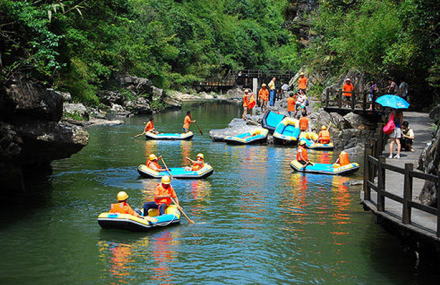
152, 157
323, 128
264, 84
122, 196
201, 156
165, 180
246, 90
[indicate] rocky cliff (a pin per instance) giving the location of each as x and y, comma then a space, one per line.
31, 135
429, 162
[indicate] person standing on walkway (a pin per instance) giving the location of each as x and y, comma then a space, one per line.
396, 134
372, 95
407, 139
187, 122
272, 92
347, 91
285, 88
304, 122
263, 95
403, 90
391, 88
246, 98
290, 105
302, 82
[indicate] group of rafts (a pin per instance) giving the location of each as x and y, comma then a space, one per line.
285, 131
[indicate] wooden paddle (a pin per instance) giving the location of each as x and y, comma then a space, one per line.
139, 135
166, 167
181, 210
199, 128
308, 163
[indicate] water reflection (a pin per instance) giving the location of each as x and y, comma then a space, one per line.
164, 254
185, 149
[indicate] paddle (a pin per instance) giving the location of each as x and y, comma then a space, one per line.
308, 163
181, 210
166, 167
139, 135
199, 128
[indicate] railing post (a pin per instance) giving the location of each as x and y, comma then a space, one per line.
327, 97
438, 209
364, 101
407, 193
367, 152
353, 99
381, 185
339, 99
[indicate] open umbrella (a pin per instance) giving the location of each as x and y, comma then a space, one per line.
392, 101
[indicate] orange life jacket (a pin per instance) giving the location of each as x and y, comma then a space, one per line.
301, 154
162, 191
343, 159
303, 124
153, 165
324, 136
122, 208
245, 100
197, 166
149, 126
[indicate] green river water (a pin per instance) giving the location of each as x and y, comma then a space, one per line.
257, 221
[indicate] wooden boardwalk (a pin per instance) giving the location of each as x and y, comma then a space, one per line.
398, 203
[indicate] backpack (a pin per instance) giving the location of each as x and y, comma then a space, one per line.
390, 126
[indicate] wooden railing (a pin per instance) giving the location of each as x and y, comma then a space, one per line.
358, 100
375, 167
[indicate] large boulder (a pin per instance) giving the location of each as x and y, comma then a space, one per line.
358, 122
139, 106
34, 100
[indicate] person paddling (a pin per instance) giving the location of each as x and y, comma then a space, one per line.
301, 154
149, 127
162, 197
153, 164
187, 122
196, 164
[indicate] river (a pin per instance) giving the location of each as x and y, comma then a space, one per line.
257, 221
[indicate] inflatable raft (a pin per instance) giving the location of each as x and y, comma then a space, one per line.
323, 168
271, 120
176, 172
255, 136
310, 137
287, 131
139, 224
169, 136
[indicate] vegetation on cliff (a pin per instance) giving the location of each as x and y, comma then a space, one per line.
80, 45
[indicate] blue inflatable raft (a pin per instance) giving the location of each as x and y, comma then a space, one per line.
287, 131
323, 168
139, 224
256, 136
176, 172
311, 137
169, 136
271, 120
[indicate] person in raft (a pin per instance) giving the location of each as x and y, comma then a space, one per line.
324, 136
263, 96
301, 154
187, 122
162, 197
153, 164
122, 206
149, 127
196, 164
304, 122
342, 160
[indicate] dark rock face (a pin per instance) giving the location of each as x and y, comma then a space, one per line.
30, 134
429, 162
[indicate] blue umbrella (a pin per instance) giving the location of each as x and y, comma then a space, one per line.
392, 101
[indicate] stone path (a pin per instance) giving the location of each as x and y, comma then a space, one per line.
422, 126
